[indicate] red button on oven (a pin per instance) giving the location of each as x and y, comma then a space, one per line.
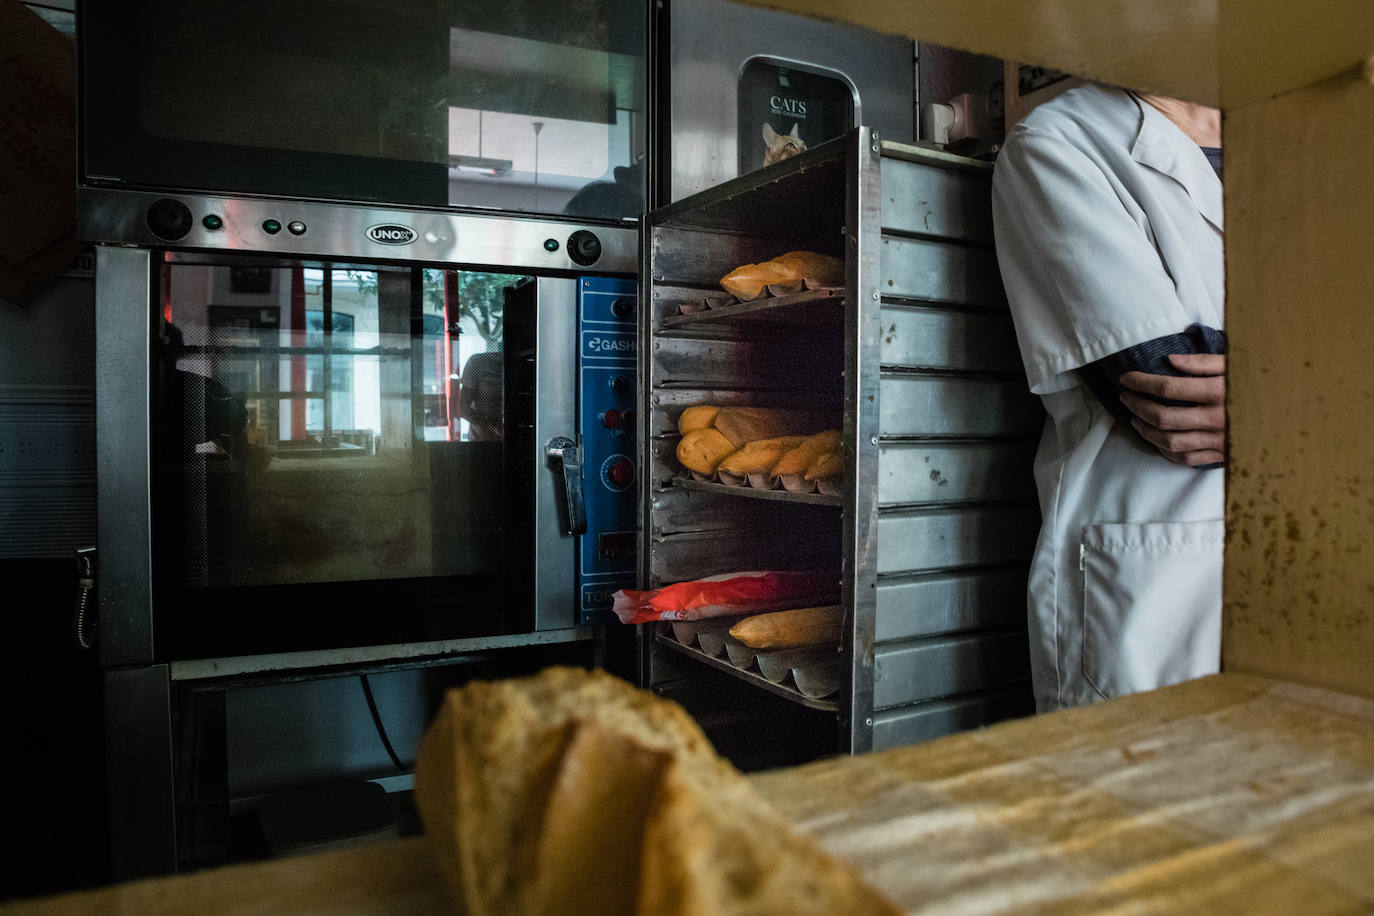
610, 418
621, 472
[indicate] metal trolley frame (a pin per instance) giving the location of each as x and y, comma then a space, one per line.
932, 530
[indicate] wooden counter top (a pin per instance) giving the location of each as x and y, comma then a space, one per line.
1226, 794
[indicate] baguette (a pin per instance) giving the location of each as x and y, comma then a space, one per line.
820, 269
759, 456
572, 792
742, 425
787, 273
807, 626
748, 281
698, 417
798, 460
827, 464
702, 450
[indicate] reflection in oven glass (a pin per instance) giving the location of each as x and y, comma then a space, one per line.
334, 424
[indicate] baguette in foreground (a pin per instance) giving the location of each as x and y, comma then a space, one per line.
572, 792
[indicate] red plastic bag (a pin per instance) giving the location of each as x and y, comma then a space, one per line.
729, 594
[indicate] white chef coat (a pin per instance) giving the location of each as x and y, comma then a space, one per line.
1109, 233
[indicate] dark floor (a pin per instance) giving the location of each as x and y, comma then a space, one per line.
53, 766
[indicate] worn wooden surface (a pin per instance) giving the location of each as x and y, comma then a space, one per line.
1272, 47
1299, 574
1230, 794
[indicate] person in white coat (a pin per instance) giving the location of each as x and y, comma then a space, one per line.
1107, 209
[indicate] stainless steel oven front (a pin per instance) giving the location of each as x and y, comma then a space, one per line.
336, 438
324, 427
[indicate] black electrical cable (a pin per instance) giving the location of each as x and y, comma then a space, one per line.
377, 721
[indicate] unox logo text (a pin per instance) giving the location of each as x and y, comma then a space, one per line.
391, 234
610, 345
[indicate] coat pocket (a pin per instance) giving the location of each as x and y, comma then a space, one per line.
1151, 604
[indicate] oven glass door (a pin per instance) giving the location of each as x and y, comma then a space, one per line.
330, 456
530, 105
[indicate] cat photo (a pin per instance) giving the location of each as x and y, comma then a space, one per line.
781, 146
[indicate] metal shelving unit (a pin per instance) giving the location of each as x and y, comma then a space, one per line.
933, 528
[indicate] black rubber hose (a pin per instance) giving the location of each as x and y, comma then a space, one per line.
377, 721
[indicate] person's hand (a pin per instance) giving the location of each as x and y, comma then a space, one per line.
1192, 435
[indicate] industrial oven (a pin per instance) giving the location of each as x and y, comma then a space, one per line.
914, 358
366, 301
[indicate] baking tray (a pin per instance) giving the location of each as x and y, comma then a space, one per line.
811, 676
812, 499
808, 307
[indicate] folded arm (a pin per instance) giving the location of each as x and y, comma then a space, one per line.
1172, 391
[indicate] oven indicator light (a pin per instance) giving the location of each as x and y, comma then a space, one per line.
271, 226
617, 473
296, 227
212, 222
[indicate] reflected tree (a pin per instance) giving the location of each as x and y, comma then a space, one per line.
480, 297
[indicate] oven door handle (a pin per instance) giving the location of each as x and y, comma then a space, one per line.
563, 455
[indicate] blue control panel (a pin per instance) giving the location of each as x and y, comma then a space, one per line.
606, 424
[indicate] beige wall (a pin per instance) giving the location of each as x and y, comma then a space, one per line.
1299, 586
1299, 136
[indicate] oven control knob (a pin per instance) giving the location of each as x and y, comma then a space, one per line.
584, 247
623, 308
169, 219
618, 473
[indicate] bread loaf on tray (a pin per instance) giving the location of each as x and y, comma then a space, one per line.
805, 626
798, 460
757, 457
698, 417
702, 450
572, 792
787, 273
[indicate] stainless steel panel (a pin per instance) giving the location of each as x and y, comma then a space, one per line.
929, 668
555, 551
408, 654
760, 362
943, 405
925, 200
905, 725
702, 257
926, 605
339, 232
937, 472
861, 550
929, 539
123, 400
929, 271
932, 338
677, 509
139, 773
712, 40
